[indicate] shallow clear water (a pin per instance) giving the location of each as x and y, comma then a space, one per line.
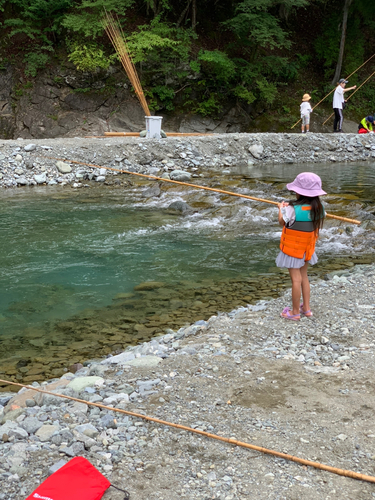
63, 255
64, 251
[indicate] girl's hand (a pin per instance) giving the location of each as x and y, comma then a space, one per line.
283, 204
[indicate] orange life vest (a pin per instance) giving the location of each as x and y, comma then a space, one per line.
298, 240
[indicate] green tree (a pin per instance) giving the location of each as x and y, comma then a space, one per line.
256, 24
37, 19
86, 18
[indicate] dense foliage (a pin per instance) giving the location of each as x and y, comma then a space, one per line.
200, 56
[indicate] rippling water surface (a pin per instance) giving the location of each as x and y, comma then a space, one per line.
64, 251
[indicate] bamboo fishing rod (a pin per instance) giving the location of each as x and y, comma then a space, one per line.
285, 456
347, 78
351, 95
230, 193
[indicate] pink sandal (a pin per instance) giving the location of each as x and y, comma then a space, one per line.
286, 314
308, 313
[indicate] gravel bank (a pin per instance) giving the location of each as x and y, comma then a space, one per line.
25, 164
304, 388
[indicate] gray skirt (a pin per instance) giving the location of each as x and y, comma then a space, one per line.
283, 260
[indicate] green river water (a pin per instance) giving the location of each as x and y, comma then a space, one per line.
77, 264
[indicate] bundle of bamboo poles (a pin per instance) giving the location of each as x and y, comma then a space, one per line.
115, 34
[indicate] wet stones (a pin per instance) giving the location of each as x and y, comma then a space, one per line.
179, 206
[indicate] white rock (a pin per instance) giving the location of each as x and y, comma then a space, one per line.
40, 179
62, 167
342, 437
256, 150
146, 361
80, 383
119, 359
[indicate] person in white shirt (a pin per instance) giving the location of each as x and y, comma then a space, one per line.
338, 104
306, 109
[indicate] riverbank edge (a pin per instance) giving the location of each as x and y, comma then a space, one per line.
149, 354
24, 163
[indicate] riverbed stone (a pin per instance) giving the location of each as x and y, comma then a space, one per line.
80, 383
31, 424
63, 168
74, 450
256, 150
55, 467
45, 432
152, 192
22, 181
119, 359
149, 285
144, 362
88, 430
180, 175
40, 178
17, 433
179, 206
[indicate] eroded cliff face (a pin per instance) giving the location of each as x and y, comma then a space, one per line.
63, 102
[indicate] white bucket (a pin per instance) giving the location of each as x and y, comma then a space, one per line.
153, 126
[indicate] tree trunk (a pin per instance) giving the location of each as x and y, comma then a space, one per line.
342, 42
183, 14
194, 15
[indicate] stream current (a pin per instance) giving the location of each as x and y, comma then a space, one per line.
86, 272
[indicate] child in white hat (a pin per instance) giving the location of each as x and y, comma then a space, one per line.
306, 109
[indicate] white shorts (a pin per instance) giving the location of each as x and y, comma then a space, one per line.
306, 119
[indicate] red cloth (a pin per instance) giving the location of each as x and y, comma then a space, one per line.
362, 131
76, 480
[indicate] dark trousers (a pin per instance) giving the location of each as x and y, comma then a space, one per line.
339, 118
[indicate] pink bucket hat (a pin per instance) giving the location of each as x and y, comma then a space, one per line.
307, 184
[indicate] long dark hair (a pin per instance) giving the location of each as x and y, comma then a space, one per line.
316, 212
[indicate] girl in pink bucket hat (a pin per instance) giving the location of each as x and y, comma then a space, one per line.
301, 220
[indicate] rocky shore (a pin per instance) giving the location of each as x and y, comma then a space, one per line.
23, 163
304, 388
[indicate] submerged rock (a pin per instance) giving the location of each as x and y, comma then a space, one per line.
152, 192
179, 206
180, 175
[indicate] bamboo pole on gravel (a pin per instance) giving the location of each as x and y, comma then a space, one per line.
230, 193
285, 456
117, 38
347, 78
168, 134
351, 95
